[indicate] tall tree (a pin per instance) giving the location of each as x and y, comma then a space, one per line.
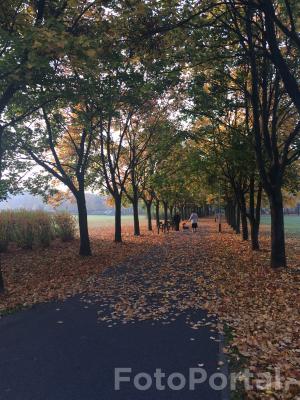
273, 118
109, 159
34, 39
61, 144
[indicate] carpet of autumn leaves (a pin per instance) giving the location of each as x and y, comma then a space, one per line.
158, 277
58, 272
261, 305
221, 274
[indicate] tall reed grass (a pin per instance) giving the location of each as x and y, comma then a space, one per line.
65, 226
27, 229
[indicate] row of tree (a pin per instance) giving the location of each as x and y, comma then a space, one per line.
169, 102
246, 109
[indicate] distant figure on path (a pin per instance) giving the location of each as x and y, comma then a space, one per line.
194, 220
176, 220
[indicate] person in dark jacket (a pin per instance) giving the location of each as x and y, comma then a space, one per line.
176, 220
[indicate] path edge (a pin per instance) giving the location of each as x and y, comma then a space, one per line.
225, 393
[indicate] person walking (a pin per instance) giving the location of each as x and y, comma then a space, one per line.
194, 220
176, 220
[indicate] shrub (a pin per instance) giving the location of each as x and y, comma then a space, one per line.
34, 228
65, 226
25, 228
45, 229
6, 226
30, 228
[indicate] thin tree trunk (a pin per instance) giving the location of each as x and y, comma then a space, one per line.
232, 217
233, 210
171, 212
238, 220
258, 204
278, 257
254, 216
85, 247
245, 233
230, 213
254, 229
165, 211
118, 226
136, 221
157, 212
149, 216
254, 233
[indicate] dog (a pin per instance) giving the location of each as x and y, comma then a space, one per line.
185, 226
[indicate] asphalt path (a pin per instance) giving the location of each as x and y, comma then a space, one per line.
61, 351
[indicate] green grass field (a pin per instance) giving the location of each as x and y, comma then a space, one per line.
291, 222
98, 221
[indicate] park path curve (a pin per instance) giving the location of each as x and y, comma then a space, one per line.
144, 314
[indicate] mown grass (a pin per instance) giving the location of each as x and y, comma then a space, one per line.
291, 224
103, 221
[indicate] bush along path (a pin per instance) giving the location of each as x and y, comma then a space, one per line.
163, 312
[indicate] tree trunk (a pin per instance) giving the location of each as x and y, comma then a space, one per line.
238, 220
229, 213
85, 247
233, 211
171, 212
254, 227
118, 226
165, 211
273, 188
243, 209
232, 216
135, 205
278, 257
254, 216
157, 212
148, 207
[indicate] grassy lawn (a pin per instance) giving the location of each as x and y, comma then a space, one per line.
292, 224
98, 221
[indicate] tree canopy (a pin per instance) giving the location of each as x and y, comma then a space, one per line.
176, 103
